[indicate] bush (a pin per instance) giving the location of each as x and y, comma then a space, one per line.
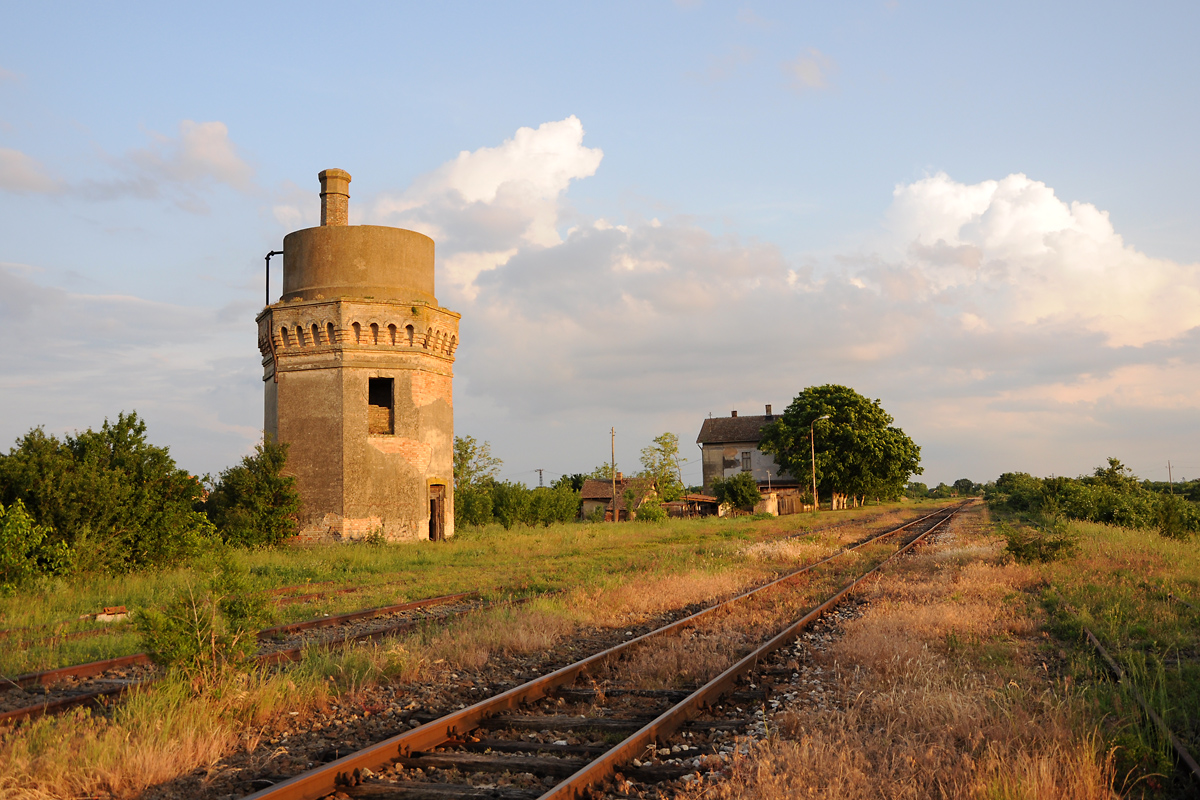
28, 550
558, 504
510, 503
740, 491
1176, 517
117, 501
254, 503
651, 511
472, 506
1111, 496
1029, 544
201, 630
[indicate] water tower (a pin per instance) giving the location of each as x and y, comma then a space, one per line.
358, 364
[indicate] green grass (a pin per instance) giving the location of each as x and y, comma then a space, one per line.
1115, 586
492, 560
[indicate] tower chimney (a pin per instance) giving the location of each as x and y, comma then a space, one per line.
734, 414
335, 197
768, 409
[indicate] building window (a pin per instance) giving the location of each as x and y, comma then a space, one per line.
745, 461
380, 416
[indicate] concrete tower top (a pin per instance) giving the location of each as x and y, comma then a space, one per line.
339, 260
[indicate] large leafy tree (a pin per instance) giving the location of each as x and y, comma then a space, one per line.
858, 450
660, 461
116, 500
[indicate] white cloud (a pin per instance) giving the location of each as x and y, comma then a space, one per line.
1014, 253
812, 69
22, 174
487, 203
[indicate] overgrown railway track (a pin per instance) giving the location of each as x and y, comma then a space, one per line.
53, 691
577, 728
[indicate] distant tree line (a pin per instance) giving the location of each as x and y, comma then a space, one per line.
480, 498
109, 501
963, 487
1112, 495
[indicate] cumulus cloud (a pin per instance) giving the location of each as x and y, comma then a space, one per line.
484, 204
1009, 252
811, 70
22, 174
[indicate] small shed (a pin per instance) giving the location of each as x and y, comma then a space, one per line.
693, 505
598, 493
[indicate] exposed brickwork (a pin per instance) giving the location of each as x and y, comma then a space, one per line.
419, 454
428, 387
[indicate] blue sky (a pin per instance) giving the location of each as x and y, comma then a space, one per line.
981, 214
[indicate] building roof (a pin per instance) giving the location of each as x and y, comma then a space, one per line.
721, 430
600, 489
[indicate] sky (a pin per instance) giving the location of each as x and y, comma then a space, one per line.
981, 214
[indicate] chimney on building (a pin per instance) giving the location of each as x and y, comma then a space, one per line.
768, 409
734, 414
335, 197
620, 477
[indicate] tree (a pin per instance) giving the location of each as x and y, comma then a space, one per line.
254, 503
859, 451
916, 490
740, 491
572, 482
660, 461
473, 462
604, 472
965, 487
116, 500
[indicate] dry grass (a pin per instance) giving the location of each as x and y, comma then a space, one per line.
943, 697
797, 551
153, 737
640, 598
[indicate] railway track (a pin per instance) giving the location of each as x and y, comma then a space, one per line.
592, 725
53, 691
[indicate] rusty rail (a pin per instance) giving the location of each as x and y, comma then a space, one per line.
670, 721
339, 619
326, 779
266, 659
1119, 673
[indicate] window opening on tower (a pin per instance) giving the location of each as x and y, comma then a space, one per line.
380, 408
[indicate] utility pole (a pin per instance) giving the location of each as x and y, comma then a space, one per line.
613, 471
540, 484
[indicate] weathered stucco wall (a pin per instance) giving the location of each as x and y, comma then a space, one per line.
725, 461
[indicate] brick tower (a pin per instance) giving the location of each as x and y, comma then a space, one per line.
358, 368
